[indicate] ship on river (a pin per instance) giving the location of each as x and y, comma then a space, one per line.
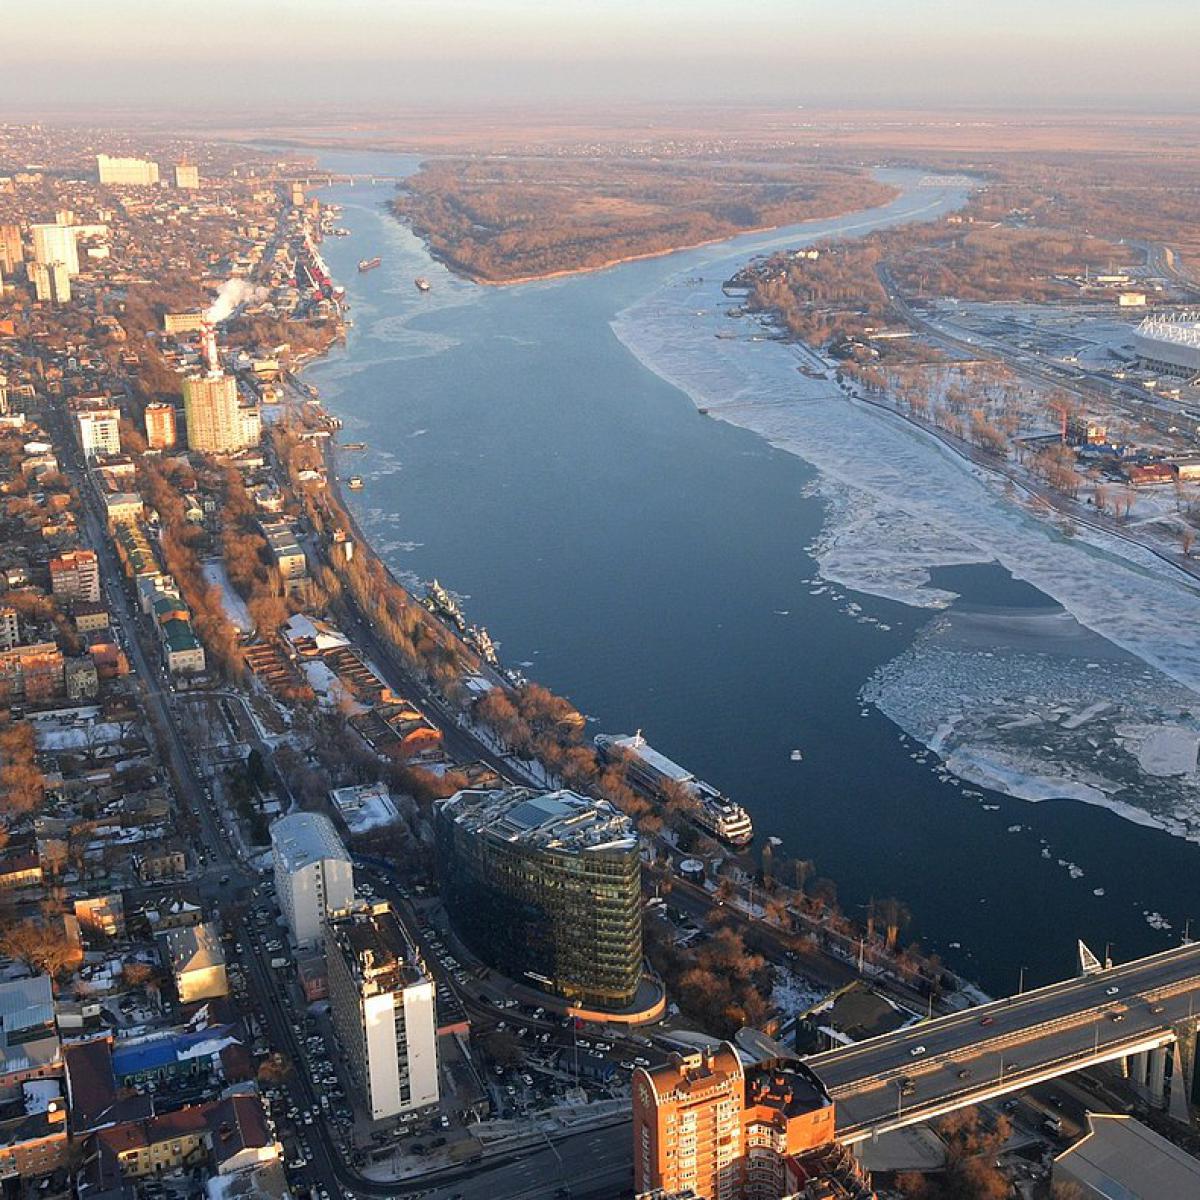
442, 604
369, 264
649, 772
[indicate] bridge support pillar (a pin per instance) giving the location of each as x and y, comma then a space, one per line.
1158, 1076
1135, 1069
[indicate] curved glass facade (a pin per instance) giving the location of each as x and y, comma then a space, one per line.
546, 890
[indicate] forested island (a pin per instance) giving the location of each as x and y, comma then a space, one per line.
512, 220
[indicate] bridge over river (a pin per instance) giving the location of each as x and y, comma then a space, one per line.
1143, 1014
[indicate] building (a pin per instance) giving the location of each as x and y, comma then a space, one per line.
731, 1132
34, 1144
186, 322
547, 889
51, 282
76, 575
383, 1010
126, 172
1119, 1156
98, 430
287, 554
54, 243
1083, 430
29, 1043
313, 873
197, 962
160, 426
12, 252
31, 674
217, 423
187, 175
81, 679
1169, 343
10, 630
123, 508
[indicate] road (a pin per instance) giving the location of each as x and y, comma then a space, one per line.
958, 1060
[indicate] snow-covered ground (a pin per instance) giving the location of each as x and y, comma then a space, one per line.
234, 606
899, 503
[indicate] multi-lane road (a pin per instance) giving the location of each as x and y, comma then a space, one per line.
952, 1062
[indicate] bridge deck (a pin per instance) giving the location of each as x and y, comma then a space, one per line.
1004, 1046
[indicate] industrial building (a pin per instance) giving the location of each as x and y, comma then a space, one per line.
382, 1004
547, 889
313, 873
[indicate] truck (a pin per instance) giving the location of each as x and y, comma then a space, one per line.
1053, 1124
277, 962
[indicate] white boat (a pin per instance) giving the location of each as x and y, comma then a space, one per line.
649, 771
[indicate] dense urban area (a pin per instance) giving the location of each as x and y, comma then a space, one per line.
304, 892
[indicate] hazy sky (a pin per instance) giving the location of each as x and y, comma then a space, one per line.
230, 52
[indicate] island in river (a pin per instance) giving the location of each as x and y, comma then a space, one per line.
512, 220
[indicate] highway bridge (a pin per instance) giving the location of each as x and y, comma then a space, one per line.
1142, 1014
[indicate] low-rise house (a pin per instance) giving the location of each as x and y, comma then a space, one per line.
162, 860
197, 962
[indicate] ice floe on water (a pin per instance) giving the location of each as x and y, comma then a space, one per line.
1037, 712
1052, 712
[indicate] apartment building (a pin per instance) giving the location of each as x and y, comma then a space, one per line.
383, 1010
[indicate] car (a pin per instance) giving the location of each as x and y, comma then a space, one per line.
628, 1066
527, 1080
445, 1121
986, 1020
917, 1051
642, 1062
1112, 991
1116, 1016
907, 1087
964, 1072
1158, 1008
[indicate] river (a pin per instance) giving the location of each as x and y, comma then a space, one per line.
658, 568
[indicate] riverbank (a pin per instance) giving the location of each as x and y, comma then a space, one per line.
672, 572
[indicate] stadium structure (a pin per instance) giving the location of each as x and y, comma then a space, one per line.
1170, 343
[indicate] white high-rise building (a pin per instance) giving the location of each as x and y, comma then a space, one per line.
383, 1010
187, 175
313, 873
98, 431
126, 172
55, 244
51, 281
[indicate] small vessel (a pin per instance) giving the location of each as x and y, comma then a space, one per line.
355, 483
479, 637
797, 756
354, 445
369, 264
650, 772
441, 603
423, 284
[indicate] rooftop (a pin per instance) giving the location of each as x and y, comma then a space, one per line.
304, 838
562, 820
373, 945
1122, 1157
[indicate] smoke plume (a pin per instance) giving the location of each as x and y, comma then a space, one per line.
230, 294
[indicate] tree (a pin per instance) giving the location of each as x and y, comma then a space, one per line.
43, 947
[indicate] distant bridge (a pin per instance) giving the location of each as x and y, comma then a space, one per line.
1143, 1014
